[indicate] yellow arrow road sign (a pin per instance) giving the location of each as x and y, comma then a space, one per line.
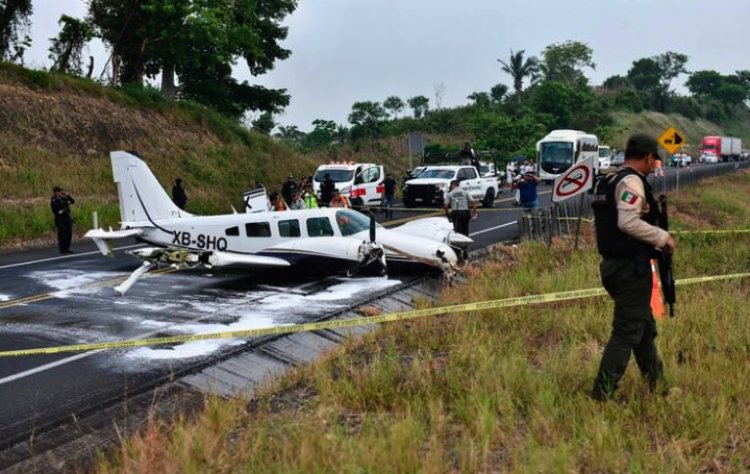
672, 140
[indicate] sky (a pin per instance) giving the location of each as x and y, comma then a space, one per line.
344, 51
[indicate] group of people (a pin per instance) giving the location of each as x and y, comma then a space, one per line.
295, 196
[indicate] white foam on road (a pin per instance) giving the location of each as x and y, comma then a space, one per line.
66, 283
263, 312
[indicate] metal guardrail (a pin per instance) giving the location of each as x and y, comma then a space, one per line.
562, 219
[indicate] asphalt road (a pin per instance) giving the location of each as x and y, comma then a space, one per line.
50, 300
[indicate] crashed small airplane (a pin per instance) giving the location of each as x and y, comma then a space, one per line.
336, 240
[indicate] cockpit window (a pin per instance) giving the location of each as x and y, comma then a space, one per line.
351, 222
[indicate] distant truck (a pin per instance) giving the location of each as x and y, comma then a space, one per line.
725, 148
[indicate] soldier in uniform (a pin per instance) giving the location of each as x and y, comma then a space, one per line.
60, 204
457, 205
627, 236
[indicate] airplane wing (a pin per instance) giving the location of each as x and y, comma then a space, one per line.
105, 239
434, 228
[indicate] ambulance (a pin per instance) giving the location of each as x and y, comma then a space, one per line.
362, 183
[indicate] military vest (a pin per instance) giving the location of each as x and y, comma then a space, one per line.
610, 240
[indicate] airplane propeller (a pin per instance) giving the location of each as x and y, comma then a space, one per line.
372, 228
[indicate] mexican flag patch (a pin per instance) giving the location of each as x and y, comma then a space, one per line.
629, 197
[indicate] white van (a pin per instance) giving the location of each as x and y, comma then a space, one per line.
361, 183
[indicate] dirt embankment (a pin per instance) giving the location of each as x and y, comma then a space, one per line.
70, 123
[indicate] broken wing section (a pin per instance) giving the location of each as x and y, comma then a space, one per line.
183, 259
105, 239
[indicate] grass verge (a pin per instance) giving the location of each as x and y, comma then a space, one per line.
502, 390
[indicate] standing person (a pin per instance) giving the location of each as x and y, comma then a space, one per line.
60, 204
626, 214
389, 195
326, 190
288, 188
457, 205
339, 200
277, 202
297, 202
178, 194
308, 195
469, 156
528, 197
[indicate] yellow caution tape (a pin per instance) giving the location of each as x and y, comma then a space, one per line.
715, 231
344, 323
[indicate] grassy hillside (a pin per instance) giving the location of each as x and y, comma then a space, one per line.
56, 130
504, 390
655, 123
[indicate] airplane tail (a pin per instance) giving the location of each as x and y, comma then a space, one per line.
141, 196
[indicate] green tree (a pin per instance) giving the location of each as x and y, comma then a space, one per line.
290, 134
480, 99
323, 134
367, 117
14, 24
201, 41
616, 82
704, 83
671, 65
519, 69
497, 92
66, 48
264, 123
557, 100
645, 74
564, 62
419, 105
394, 104
506, 135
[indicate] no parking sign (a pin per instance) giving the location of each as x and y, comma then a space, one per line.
578, 179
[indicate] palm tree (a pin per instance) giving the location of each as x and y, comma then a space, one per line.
519, 69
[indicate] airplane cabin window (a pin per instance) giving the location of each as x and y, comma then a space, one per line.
258, 229
232, 231
289, 228
319, 227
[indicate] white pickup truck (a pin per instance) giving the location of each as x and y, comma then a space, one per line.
434, 182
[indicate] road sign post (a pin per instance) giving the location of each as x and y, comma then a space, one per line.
577, 180
672, 140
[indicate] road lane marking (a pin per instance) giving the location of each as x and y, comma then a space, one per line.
64, 257
493, 228
46, 296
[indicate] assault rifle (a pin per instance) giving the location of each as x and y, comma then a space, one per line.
665, 260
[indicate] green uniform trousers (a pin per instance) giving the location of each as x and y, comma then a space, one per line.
628, 282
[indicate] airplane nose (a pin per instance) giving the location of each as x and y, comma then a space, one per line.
446, 254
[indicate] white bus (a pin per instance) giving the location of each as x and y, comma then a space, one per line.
561, 149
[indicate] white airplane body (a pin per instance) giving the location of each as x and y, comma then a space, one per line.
325, 239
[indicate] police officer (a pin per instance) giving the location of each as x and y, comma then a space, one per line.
60, 204
288, 188
326, 190
178, 194
457, 204
627, 236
